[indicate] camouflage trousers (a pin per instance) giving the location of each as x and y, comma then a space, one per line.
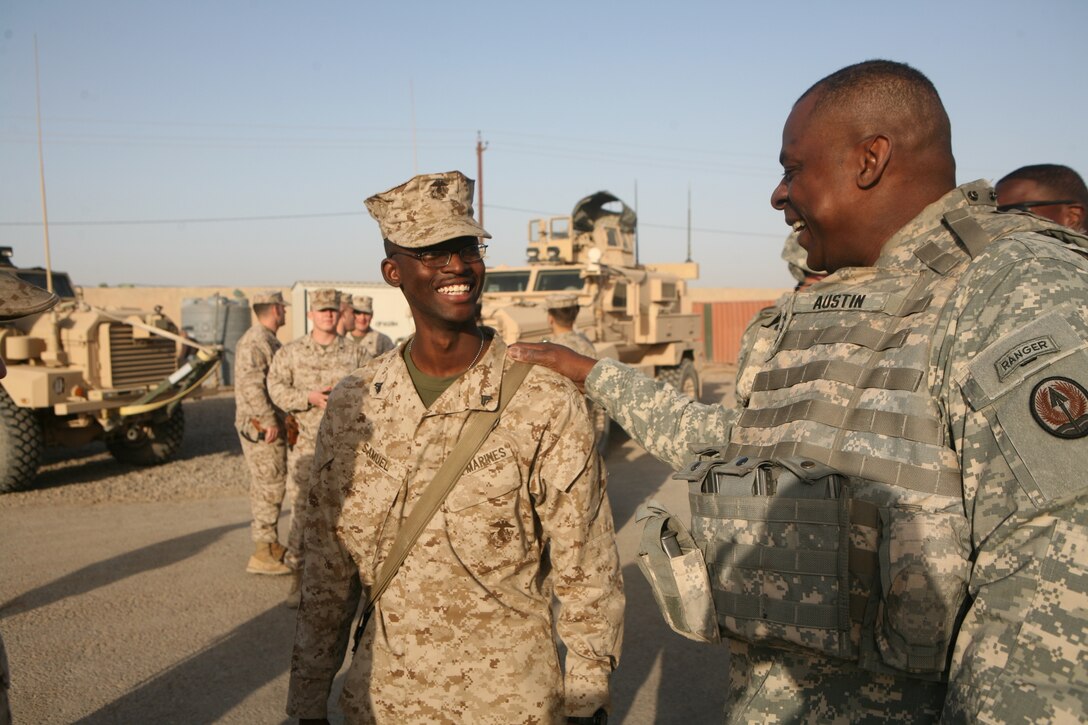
770, 685
267, 463
300, 462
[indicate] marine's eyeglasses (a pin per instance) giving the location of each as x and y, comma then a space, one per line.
438, 258
1028, 205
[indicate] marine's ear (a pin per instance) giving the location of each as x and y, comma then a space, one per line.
390, 272
874, 153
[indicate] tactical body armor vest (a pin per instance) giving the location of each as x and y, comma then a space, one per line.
833, 519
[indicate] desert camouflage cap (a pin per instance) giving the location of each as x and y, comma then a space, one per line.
19, 298
558, 302
362, 303
797, 258
426, 210
325, 299
270, 297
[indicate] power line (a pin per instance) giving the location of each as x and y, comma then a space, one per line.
325, 215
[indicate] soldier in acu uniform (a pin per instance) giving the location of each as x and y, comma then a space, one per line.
262, 431
372, 342
464, 631
302, 374
1052, 191
936, 386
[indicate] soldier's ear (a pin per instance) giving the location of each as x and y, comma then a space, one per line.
390, 272
873, 156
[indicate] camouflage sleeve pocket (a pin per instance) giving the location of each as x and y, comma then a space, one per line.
1046, 673
1032, 387
676, 571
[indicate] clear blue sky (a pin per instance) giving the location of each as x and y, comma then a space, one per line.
165, 114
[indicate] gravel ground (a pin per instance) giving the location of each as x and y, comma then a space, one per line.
209, 465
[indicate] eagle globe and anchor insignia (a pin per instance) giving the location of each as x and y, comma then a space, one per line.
1060, 407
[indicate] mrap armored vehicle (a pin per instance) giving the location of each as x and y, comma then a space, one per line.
632, 312
77, 374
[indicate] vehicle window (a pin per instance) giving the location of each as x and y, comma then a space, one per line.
559, 280
612, 238
506, 281
62, 286
560, 228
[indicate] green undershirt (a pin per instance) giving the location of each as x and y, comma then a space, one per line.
428, 386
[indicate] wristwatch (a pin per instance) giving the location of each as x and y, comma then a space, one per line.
598, 718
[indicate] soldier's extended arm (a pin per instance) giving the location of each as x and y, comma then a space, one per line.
576, 518
330, 587
658, 417
1018, 416
281, 383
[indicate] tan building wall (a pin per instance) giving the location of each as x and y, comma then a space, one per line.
170, 299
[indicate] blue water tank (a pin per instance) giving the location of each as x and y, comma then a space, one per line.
217, 320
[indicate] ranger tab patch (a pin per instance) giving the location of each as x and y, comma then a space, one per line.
1060, 407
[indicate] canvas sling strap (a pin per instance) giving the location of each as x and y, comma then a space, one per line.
479, 425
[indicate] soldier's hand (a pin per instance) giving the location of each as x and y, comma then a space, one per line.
272, 433
561, 359
319, 398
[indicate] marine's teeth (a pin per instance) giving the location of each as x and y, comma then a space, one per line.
799, 225
455, 289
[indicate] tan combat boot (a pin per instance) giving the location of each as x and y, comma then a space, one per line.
265, 561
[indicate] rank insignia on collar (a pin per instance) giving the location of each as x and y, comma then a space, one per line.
377, 388
1060, 407
485, 399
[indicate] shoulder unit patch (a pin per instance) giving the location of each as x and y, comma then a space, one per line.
1060, 407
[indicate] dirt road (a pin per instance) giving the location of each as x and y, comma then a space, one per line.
123, 597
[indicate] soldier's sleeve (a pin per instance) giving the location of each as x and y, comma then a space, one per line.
330, 583
252, 364
658, 417
1019, 414
569, 484
281, 386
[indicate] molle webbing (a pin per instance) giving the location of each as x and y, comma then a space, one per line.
942, 481
858, 376
840, 565
861, 420
969, 231
860, 335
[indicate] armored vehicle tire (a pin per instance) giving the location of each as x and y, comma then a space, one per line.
21, 445
149, 443
682, 377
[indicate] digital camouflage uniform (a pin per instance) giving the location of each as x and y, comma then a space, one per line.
463, 634
267, 462
372, 344
952, 391
300, 367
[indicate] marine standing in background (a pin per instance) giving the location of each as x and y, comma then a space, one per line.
346, 322
562, 312
372, 342
302, 374
940, 373
464, 631
759, 335
262, 431
1052, 191
17, 299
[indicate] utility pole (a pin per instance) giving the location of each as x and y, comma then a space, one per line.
689, 223
480, 148
41, 167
